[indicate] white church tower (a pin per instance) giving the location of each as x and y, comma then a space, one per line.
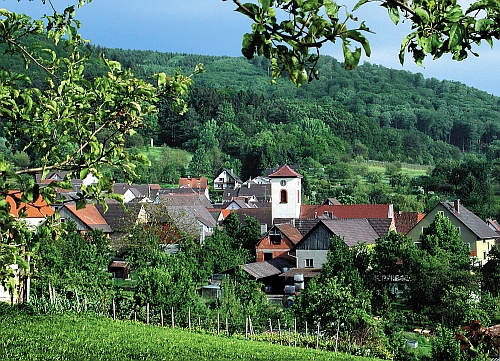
286, 196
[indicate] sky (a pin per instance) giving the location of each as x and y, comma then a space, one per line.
212, 27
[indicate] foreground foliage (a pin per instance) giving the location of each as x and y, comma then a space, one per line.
71, 337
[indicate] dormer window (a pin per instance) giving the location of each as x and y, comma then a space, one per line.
275, 236
283, 182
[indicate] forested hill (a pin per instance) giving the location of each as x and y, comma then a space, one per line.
444, 110
237, 118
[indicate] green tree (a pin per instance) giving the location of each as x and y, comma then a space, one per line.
69, 122
491, 273
199, 166
293, 44
441, 276
73, 263
340, 292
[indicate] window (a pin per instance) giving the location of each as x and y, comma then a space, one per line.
441, 213
275, 238
458, 229
283, 196
268, 256
309, 263
484, 255
221, 179
283, 183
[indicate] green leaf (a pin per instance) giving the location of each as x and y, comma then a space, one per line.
360, 3
351, 58
265, 3
422, 14
455, 14
248, 47
393, 13
360, 38
456, 35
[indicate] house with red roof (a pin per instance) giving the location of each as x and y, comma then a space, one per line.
197, 185
86, 219
33, 213
277, 242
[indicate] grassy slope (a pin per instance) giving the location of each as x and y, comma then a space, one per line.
70, 337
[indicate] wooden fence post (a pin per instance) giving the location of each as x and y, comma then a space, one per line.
295, 332
161, 317
173, 321
189, 318
279, 331
147, 313
114, 310
317, 338
218, 323
246, 327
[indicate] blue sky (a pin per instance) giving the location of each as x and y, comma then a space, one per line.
211, 27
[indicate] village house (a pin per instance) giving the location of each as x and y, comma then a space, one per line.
86, 219
474, 232
227, 180
277, 242
196, 185
311, 251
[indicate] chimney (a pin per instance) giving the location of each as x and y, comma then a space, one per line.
456, 205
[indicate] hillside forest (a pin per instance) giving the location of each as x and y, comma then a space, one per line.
238, 120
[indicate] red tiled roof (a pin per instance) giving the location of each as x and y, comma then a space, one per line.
193, 183
405, 221
347, 211
285, 172
37, 209
90, 216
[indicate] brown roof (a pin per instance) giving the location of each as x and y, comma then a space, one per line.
290, 232
307, 272
405, 221
90, 216
285, 172
303, 225
37, 209
269, 268
347, 210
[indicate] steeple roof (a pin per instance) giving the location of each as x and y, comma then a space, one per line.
285, 172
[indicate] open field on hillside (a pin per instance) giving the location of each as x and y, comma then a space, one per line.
81, 338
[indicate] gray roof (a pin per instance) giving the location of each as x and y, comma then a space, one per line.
471, 221
184, 199
262, 215
381, 225
354, 230
232, 175
269, 268
303, 225
120, 217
